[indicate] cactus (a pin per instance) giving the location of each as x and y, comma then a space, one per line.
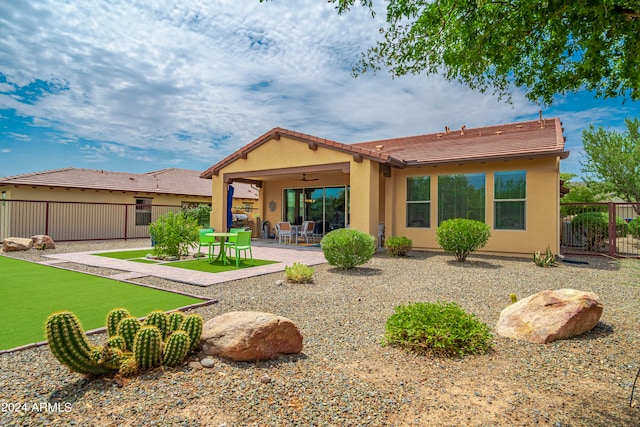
514, 299
128, 366
116, 341
174, 320
147, 348
70, 346
192, 325
158, 319
127, 329
176, 348
113, 318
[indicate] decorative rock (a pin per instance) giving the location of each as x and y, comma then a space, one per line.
246, 336
42, 241
279, 282
207, 362
265, 379
195, 365
16, 244
550, 315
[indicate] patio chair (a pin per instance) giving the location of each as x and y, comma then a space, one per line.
232, 239
284, 231
242, 243
306, 230
208, 242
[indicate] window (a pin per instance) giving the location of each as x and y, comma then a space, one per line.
419, 201
143, 211
461, 196
509, 199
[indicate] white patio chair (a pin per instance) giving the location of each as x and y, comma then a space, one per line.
284, 231
306, 230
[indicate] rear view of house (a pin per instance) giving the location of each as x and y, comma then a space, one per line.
506, 176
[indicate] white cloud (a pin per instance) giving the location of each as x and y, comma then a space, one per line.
201, 78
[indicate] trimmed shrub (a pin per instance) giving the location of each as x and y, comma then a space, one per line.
461, 236
298, 273
348, 247
437, 328
594, 228
398, 245
173, 234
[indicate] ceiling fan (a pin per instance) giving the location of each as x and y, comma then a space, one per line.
305, 179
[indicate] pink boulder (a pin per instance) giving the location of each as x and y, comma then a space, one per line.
42, 241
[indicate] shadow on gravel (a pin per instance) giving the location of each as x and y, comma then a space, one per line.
357, 271
282, 360
599, 331
474, 264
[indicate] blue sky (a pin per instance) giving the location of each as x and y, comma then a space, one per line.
138, 85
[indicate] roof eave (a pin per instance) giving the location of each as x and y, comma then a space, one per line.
480, 159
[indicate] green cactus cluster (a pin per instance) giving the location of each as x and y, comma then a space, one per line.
132, 346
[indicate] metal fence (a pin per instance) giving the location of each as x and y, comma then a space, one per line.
66, 221
607, 228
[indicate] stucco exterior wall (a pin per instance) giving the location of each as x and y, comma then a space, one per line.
541, 216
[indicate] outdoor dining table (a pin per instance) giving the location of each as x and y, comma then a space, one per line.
222, 237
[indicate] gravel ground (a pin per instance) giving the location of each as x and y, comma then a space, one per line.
344, 377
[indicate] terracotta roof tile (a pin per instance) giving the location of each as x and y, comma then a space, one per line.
492, 142
164, 181
515, 140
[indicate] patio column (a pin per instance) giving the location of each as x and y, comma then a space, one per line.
218, 203
365, 196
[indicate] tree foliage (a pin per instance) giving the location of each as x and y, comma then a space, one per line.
548, 47
614, 158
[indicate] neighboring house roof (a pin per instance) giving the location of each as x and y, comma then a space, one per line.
537, 138
165, 181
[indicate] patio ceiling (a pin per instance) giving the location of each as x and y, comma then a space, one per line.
293, 173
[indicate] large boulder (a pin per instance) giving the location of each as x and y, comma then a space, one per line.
247, 336
16, 244
550, 315
42, 241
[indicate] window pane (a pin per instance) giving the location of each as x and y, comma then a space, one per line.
510, 215
418, 215
461, 196
510, 185
418, 188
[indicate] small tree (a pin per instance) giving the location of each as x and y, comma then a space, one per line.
174, 234
614, 158
461, 236
594, 228
201, 213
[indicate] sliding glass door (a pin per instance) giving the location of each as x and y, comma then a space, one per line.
327, 206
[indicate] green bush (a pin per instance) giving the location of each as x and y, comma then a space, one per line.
398, 245
594, 228
173, 234
634, 227
298, 273
201, 213
460, 236
348, 247
437, 328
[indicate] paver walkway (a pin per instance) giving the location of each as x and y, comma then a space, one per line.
285, 256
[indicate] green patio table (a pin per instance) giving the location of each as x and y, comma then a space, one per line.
222, 237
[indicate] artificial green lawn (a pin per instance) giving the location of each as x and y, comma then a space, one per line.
202, 264
31, 292
217, 266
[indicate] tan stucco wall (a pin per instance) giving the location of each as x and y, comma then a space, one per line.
542, 206
273, 155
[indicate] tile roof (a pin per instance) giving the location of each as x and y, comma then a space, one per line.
515, 140
165, 181
534, 138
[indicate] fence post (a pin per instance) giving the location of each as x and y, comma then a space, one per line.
612, 230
